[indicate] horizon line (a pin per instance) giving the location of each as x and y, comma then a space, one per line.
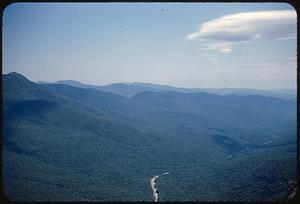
140, 82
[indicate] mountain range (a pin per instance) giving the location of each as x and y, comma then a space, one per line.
130, 89
66, 141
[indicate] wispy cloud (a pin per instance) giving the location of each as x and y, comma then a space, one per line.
222, 33
214, 60
260, 64
222, 47
269, 65
291, 60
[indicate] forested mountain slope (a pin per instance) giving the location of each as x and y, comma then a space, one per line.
67, 143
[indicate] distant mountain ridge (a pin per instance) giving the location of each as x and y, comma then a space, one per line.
131, 89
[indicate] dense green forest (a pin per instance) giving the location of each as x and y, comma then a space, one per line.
66, 143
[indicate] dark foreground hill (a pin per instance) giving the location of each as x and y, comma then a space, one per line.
67, 143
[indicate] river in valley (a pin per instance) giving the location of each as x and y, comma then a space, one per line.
154, 186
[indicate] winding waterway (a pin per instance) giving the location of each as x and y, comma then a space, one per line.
154, 186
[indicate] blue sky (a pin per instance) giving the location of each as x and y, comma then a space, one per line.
203, 45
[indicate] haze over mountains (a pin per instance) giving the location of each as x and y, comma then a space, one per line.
130, 89
68, 141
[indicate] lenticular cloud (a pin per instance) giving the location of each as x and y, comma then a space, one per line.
248, 26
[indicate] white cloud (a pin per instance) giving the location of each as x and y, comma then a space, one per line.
222, 47
222, 33
291, 60
279, 66
214, 60
260, 64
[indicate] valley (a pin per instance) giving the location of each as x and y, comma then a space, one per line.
66, 143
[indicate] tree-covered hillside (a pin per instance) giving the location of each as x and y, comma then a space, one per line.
65, 143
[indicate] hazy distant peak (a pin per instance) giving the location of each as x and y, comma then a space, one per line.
43, 82
148, 84
69, 82
142, 83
